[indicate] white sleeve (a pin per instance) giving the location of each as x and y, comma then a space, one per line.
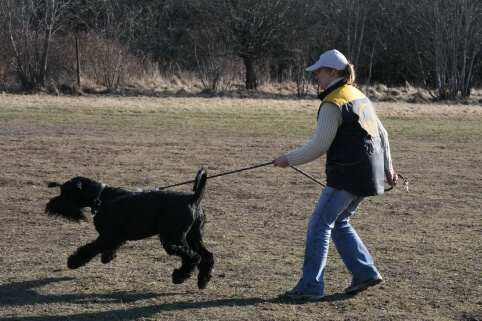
329, 119
385, 145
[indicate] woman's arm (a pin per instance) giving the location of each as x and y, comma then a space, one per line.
329, 120
390, 174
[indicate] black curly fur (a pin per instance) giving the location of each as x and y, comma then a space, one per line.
122, 216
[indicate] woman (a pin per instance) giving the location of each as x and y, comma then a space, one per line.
357, 159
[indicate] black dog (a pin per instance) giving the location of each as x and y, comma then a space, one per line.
122, 216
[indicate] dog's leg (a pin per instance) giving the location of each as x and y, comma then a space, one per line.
109, 255
189, 259
87, 252
195, 241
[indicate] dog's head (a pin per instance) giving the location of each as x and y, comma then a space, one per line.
75, 195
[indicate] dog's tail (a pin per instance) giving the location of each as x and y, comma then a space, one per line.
199, 185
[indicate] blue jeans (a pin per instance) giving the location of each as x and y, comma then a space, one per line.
332, 218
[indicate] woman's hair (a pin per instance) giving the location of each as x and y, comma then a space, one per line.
348, 74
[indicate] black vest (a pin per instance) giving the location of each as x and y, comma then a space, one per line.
354, 161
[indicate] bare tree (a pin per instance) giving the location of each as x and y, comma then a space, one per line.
111, 26
448, 39
433, 43
250, 29
378, 24
357, 13
31, 26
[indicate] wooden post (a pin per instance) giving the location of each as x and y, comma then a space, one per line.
78, 59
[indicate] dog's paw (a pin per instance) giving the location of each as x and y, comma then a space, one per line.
202, 282
106, 257
74, 262
179, 276
203, 278
205, 271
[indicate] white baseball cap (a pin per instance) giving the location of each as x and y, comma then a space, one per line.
331, 59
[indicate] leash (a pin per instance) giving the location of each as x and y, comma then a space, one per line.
218, 175
310, 177
405, 181
98, 203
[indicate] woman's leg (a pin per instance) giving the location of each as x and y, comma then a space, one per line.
331, 204
351, 248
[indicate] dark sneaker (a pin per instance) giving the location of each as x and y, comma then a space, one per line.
354, 288
299, 295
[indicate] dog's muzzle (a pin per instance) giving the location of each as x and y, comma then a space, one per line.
63, 207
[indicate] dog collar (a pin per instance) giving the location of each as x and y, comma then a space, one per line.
97, 201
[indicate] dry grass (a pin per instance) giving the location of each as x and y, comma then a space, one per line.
427, 244
148, 82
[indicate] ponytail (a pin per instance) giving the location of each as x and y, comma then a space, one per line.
349, 74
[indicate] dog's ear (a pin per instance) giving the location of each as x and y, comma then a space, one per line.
53, 184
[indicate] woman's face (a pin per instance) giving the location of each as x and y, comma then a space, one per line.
325, 76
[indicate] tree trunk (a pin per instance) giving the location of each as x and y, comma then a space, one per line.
43, 62
77, 58
250, 73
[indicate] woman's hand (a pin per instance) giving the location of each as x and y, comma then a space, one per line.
392, 177
281, 161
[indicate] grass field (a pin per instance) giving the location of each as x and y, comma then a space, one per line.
427, 244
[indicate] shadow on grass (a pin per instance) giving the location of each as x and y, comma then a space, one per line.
281, 299
23, 294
